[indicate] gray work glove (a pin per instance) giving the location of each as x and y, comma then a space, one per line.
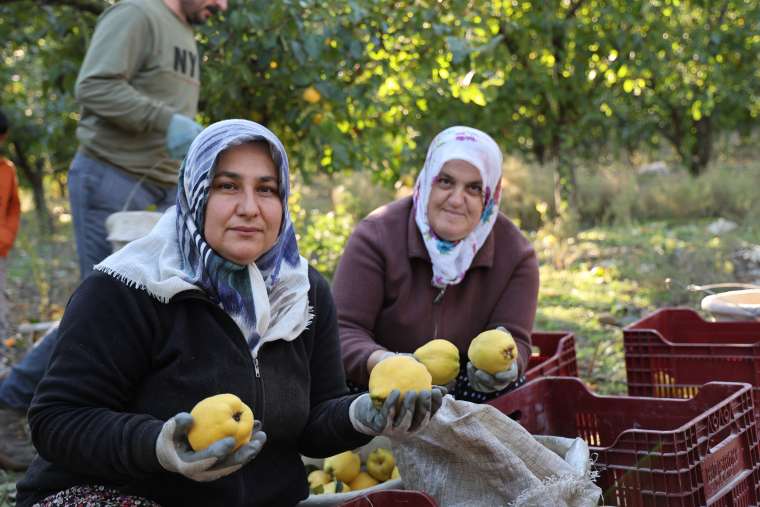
393, 419
180, 134
486, 383
175, 454
388, 354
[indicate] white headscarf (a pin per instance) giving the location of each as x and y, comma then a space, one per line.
452, 259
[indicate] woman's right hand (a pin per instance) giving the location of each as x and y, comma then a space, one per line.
175, 454
394, 418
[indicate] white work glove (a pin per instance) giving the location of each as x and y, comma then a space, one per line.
393, 419
180, 134
486, 383
175, 454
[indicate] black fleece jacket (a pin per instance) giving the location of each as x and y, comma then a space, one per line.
126, 362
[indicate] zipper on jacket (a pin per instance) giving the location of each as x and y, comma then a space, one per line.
437, 310
258, 394
258, 386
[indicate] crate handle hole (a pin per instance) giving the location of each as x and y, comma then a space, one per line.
516, 415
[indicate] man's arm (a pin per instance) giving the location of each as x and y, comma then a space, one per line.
121, 42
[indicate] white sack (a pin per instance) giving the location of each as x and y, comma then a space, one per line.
473, 455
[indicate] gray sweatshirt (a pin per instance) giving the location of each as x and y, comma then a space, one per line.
141, 67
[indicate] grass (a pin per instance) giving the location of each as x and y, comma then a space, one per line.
608, 277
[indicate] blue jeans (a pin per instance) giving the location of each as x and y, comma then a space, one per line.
96, 189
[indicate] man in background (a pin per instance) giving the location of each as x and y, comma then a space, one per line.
138, 89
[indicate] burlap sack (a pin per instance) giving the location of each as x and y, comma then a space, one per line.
473, 455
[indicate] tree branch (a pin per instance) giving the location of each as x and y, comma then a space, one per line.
721, 16
573, 9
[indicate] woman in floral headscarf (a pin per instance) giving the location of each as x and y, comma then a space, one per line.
444, 263
215, 299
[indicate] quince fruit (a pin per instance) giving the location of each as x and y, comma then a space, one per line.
363, 481
318, 478
217, 417
441, 358
397, 372
396, 474
344, 466
311, 95
380, 464
333, 487
493, 351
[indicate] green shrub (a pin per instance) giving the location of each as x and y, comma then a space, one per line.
615, 194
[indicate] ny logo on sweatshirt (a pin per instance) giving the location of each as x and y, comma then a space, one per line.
185, 62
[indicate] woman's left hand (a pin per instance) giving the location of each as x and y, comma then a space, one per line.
486, 383
396, 419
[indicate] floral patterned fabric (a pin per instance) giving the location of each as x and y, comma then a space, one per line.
94, 496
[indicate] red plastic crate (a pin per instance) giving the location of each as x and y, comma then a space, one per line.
556, 355
673, 351
653, 452
392, 497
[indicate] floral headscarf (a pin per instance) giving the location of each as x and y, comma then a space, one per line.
452, 259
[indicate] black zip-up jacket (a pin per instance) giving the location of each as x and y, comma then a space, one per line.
126, 362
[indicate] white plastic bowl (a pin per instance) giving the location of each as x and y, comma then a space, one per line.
126, 226
734, 305
333, 499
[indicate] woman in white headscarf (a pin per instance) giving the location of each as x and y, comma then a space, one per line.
443, 263
215, 299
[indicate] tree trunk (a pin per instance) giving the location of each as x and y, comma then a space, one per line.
34, 175
701, 150
564, 186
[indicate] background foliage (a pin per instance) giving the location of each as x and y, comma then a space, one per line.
564, 82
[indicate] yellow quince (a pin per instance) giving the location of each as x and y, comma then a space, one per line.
318, 478
380, 464
344, 466
217, 417
333, 487
311, 95
397, 372
493, 351
363, 481
441, 358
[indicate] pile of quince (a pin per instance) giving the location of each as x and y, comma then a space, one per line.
345, 472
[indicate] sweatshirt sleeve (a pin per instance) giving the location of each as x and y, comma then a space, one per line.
516, 308
328, 430
10, 213
358, 286
78, 417
121, 42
